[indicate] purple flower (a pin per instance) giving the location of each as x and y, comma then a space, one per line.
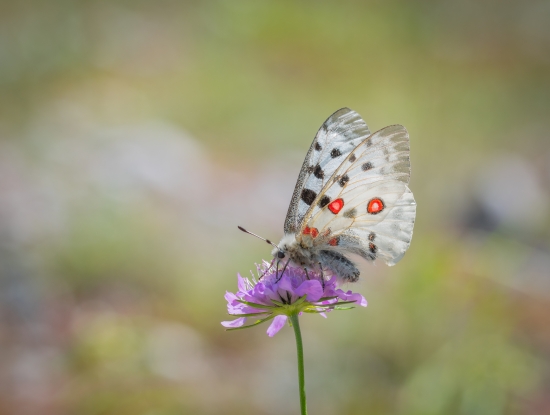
276, 296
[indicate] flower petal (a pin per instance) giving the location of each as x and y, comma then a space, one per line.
286, 290
241, 283
235, 323
332, 282
243, 309
271, 295
277, 324
312, 288
351, 296
230, 297
258, 294
285, 284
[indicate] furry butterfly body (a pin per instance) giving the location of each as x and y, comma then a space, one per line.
351, 197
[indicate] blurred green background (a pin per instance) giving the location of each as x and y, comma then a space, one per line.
135, 136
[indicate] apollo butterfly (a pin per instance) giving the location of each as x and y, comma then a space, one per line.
351, 197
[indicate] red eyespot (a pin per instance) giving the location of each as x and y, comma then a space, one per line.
336, 206
375, 206
310, 231
334, 241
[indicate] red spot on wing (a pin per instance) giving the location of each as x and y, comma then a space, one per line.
334, 241
313, 232
336, 206
375, 206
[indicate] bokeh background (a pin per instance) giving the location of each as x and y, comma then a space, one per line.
135, 136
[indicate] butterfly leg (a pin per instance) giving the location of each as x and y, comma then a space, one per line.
277, 271
282, 273
322, 276
307, 275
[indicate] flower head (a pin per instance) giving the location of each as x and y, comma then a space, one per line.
276, 296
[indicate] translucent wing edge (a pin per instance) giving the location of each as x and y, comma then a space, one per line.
407, 225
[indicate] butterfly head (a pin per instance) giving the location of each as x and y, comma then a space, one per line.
291, 249
280, 251
284, 248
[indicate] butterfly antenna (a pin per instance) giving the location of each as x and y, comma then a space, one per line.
259, 237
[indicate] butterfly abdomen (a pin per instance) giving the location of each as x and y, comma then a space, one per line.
339, 265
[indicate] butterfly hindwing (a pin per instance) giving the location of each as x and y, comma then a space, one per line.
387, 239
337, 137
366, 207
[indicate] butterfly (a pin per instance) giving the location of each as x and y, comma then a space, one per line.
351, 197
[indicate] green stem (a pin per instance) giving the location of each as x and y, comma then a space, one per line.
300, 350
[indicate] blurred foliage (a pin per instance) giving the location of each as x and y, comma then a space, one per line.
135, 136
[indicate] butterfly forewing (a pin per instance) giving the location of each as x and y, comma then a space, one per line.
336, 139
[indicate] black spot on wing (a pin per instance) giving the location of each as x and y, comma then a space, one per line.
372, 235
308, 196
373, 248
318, 146
352, 158
335, 153
325, 200
367, 166
343, 180
318, 172
350, 213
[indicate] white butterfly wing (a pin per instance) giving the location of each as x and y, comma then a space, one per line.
366, 207
334, 141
